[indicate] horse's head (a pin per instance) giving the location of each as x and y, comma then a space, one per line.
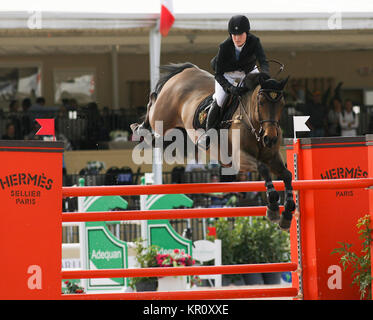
269, 104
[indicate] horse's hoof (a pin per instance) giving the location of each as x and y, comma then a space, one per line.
285, 222
273, 215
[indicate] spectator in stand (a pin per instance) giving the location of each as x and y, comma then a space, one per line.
40, 102
31, 135
334, 128
217, 198
37, 109
25, 119
14, 118
10, 132
318, 116
26, 104
348, 120
296, 92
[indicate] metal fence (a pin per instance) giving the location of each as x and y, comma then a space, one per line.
84, 128
88, 128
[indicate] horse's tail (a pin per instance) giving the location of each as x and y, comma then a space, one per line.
169, 71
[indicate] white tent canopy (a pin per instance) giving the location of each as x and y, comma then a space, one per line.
191, 6
199, 21
191, 14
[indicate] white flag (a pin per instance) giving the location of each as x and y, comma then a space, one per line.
300, 124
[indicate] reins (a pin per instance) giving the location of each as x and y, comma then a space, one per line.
271, 95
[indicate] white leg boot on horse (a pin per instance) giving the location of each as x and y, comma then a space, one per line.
143, 128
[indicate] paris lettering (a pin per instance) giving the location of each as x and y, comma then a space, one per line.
344, 173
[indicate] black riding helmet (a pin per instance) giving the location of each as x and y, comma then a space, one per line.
238, 24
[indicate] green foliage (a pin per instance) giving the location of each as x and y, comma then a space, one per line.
147, 258
72, 287
252, 240
360, 264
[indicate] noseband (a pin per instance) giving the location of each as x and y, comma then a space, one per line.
272, 96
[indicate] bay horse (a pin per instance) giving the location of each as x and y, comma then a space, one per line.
183, 87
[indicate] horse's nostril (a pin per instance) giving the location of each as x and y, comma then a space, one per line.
266, 140
274, 140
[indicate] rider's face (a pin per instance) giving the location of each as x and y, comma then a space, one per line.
239, 39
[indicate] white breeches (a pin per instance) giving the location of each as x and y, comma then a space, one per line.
234, 77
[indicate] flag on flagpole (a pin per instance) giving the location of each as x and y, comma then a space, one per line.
300, 124
47, 127
167, 17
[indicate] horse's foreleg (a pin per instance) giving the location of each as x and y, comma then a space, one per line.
273, 213
289, 204
278, 167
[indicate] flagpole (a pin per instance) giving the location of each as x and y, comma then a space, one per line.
154, 54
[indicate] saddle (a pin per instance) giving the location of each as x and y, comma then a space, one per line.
229, 108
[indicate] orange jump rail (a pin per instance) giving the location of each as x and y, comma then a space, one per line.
188, 295
180, 271
213, 187
164, 214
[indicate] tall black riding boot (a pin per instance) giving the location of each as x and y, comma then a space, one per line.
213, 119
214, 115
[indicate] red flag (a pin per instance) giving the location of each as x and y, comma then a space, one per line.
47, 127
167, 17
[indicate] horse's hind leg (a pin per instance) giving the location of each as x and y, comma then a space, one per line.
273, 212
145, 125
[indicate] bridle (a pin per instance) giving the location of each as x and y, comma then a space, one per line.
273, 96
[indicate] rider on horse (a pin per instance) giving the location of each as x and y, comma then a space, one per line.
236, 58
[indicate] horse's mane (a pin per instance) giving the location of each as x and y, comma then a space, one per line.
169, 71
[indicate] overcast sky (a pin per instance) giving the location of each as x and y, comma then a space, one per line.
189, 6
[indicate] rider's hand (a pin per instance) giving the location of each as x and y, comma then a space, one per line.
237, 91
264, 76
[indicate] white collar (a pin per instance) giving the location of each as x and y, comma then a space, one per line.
239, 48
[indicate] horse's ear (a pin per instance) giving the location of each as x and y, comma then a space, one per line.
284, 82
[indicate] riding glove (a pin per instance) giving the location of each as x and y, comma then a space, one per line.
237, 91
